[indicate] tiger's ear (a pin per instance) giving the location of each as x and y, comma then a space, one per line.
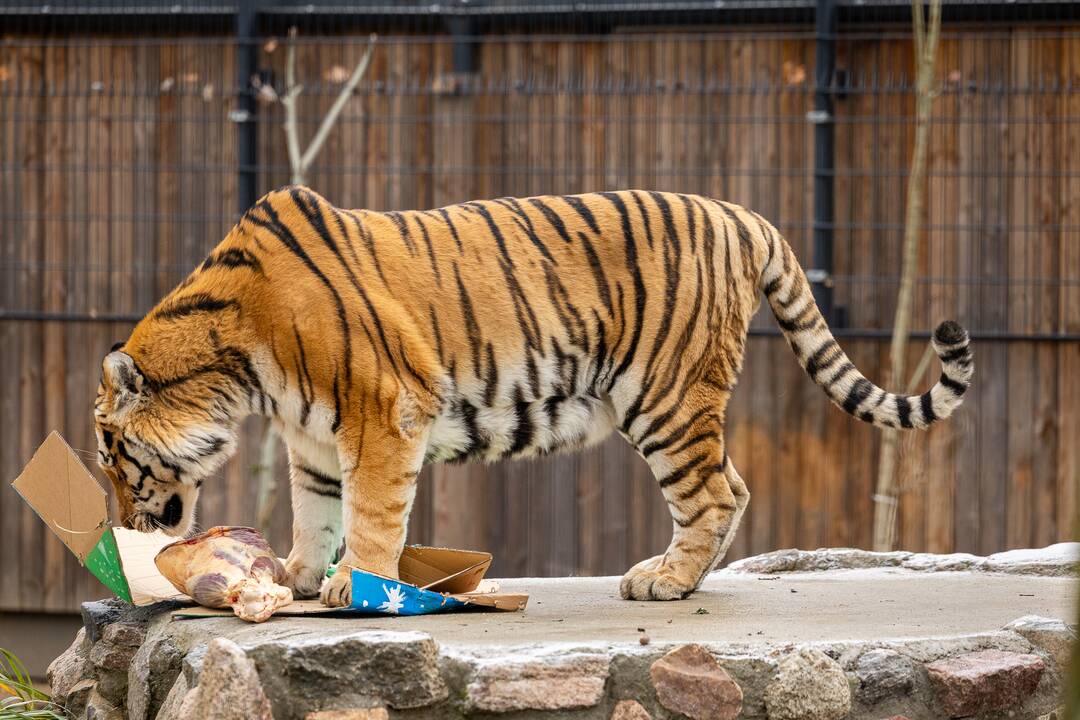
122, 377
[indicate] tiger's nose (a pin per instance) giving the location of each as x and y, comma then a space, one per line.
173, 512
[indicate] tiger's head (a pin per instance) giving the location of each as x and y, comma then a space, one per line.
154, 450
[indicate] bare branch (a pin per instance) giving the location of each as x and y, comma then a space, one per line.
885, 498
288, 100
339, 104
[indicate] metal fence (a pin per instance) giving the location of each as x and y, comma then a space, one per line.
131, 136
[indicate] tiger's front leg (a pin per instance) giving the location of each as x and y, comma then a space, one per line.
315, 486
379, 466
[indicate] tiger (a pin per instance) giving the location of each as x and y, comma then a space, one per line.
377, 342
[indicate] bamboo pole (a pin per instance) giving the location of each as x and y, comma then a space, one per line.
886, 498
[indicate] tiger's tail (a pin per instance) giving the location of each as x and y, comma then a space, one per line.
788, 291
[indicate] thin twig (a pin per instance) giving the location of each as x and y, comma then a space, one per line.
339, 104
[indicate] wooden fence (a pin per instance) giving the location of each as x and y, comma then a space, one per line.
118, 171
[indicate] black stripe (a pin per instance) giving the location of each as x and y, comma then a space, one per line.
232, 258
674, 436
453, 229
472, 329
682, 471
583, 210
552, 217
639, 284
927, 405
430, 249
957, 388
645, 217
514, 206
597, 269
319, 490
860, 390
695, 517
303, 375
286, 237
523, 432
319, 477
192, 304
962, 353
438, 334
403, 229
491, 382
903, 411
814, 364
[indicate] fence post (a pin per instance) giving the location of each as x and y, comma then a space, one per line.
820, 274
245, 115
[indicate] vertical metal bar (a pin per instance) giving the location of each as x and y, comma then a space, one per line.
246, 126
820, 275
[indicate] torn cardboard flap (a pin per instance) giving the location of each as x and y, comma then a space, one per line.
64, 494
61, 490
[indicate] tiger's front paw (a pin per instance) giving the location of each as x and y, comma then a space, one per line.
337, 589
304, 581
653, 580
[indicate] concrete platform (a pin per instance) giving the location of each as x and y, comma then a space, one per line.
845, 605
852, 635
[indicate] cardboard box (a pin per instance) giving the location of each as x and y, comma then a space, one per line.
57, 485
61, 490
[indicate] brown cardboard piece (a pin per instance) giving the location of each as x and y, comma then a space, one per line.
61, 490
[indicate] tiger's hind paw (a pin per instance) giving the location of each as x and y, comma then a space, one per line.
653, 580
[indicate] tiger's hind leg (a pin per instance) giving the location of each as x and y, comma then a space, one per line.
742, 499
686, 453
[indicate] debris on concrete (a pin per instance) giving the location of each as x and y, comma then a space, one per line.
689, 680
809, 684
984, 681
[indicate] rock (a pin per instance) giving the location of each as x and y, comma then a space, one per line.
78, 697
229, 686
690, 681
808, 684
539, 683
378, 713
398, 669
984, 680
1058, 714
1060, 560
883, 673
98, 708
98, 614
792, 560
151, 675
1056, 560
170, 707
113, 686
630, 710
118, 644
70, 668
1054, 637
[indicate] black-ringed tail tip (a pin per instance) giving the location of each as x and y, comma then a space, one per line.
830, 368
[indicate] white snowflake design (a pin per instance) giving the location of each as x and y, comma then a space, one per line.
395, 599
